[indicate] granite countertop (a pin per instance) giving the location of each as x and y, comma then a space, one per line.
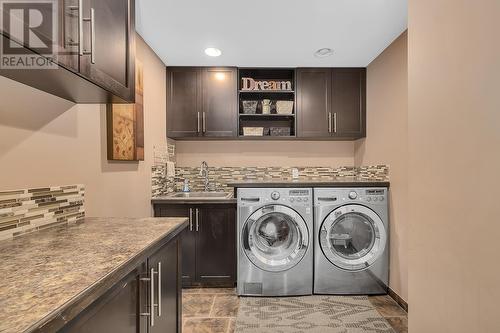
333, 182
45, 273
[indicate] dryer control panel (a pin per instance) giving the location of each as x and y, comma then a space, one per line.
370, 196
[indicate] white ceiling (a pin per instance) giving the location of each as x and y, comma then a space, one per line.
272, 33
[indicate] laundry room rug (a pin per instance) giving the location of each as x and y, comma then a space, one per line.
311, 314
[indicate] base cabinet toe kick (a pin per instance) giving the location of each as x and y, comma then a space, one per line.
147, 300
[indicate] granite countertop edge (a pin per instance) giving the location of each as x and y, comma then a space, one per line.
60, 316
194, 201
348, 182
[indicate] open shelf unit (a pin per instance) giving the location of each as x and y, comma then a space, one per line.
273, 122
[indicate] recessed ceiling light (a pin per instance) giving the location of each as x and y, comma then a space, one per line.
213, 52
324, 52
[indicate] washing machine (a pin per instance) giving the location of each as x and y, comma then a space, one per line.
351, 233
275, 241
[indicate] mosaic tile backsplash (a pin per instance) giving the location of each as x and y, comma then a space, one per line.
28, 210
220, 176
160, 183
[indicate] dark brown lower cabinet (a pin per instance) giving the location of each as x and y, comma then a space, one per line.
116, 311
209, 243
147, 300
163, 266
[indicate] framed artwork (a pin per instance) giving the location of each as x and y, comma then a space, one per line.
125, 125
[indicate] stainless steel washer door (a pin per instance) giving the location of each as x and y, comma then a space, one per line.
275, 238
352, 237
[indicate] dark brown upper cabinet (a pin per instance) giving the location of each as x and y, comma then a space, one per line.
95, 53
314, 102
201, 102
349, 102
68, 36
106, 40
219, 108
331, 103
184, 98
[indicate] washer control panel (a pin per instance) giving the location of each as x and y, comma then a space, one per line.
299, 196
285, 196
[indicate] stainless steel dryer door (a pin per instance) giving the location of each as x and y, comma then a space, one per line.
275, 238
352, 237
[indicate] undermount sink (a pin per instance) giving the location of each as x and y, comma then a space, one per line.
201, 195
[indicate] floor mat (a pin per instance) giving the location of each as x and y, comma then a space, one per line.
310, 314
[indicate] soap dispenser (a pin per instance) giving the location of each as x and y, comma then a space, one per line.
186, 188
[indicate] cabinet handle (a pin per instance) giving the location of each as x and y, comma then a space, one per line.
204, 122
92, 35
152, 300
215, 276
197, 220
150, 313
80, 18
159, 289
190, 219
329, 122
335, 122
198, 121
80, 27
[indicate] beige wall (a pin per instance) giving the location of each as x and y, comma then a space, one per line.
454, 164
265, 153
45, 140
387, 143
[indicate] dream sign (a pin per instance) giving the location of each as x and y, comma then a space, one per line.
249, 84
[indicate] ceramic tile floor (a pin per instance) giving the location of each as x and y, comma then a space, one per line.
391, 311
214, 310
209, 310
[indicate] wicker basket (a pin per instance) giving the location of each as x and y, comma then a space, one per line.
253, 131
284, 107
279, 131
249, 107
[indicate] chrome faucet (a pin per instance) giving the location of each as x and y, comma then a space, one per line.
204, 174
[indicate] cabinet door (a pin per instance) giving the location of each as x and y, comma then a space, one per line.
66, 48
68, 55
349, 102
167, 289
220, 100
184, 95
115, 311
314, 102
188, 237
216, 246
112, 63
